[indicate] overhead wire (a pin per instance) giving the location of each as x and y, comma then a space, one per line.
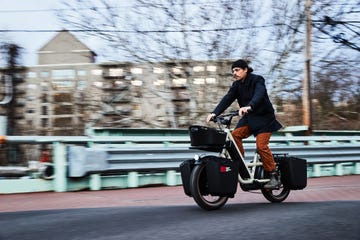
142, 31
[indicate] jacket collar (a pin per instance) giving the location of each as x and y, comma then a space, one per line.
247, 80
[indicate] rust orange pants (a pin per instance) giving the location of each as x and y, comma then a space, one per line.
262, 142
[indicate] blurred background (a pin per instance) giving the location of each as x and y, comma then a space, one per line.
69, 66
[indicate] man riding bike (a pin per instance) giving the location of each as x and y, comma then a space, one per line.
256, 112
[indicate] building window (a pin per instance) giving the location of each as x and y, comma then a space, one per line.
96, 72
137, 83
179, 81
62, 97
32, 86
30, 98
211, 68
63, 109
81, 72
199, 68
98, 84
158, 70
63, 85
136, 71
44, 122
62, 122
44, 98
44, 86
199, 81
44, 110
44, 74
115, 72
82, 84
63, 74
210, 80
31, 75
159, 82
177, 70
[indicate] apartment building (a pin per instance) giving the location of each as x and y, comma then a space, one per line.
68, 91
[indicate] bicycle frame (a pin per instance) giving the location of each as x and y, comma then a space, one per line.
246, 170
194, 172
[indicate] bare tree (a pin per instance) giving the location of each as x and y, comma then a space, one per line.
270, 34
167, 30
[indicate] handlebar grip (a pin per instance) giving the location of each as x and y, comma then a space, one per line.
213, 119
235, 113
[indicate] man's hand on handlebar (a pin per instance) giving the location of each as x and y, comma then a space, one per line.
244, 110
210, 117
224, 119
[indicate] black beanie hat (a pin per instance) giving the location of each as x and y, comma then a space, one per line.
241, 64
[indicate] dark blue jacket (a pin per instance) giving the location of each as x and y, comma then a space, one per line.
251, 92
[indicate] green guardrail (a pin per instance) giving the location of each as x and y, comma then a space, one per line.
60, 182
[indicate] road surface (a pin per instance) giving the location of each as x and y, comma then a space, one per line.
329, 208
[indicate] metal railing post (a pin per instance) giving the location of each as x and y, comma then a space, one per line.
171, 178
60, 179
133, 179
95, 182
339, 169
357, 168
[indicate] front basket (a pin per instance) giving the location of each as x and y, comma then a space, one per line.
205, 136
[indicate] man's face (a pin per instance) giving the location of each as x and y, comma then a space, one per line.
239, 73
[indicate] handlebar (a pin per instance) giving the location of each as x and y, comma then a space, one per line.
225, 119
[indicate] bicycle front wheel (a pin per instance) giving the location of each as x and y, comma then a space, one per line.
198, 188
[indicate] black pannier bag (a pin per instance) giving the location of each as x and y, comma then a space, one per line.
222, 176
293, 172
205, 136
186, 168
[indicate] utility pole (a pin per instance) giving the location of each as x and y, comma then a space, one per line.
306, 95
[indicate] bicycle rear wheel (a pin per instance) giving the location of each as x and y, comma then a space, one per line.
198, 188
276, 195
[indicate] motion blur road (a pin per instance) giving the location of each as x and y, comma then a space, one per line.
329, 208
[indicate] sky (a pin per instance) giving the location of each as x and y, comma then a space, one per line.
30, 15
35, 15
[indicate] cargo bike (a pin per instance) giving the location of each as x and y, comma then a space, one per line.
212, 179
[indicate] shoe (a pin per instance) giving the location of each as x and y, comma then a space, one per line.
274, 182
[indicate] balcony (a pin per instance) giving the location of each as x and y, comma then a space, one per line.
116, 99
115, 88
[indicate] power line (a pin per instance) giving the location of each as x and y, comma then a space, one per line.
334, 22
139, 31
156, 31
202, 3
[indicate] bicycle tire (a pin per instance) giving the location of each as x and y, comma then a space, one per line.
276, 195
198, 185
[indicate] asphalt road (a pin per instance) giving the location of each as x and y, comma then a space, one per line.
329, 208
320, 220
